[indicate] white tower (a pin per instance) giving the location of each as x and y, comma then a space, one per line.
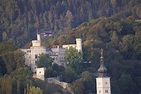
37, 42
103, 81
79, 44
40, 72
38, 37
36, 50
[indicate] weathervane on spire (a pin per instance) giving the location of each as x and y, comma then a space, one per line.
102, 80
101, 52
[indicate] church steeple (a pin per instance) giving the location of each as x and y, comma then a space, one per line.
103, 81
102, 71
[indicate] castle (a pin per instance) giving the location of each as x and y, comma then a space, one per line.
58, 54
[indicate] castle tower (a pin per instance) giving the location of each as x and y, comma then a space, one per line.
79, 44
103, 81
36, 50
37, 42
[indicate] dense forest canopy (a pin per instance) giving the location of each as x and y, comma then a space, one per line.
121, 41
113, 25
122, 35
20, 20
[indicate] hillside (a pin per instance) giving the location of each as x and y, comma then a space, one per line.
122, 35
20, 20
121, 41
112, 25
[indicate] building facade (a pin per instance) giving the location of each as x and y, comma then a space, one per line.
78, 45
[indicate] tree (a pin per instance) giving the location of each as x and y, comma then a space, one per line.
69, 19
2, 67
20, 78
59, 69
69, 75
127, 46
85, 84
137, 45
61, 40
74, 58
18, 57
6, 85
49, 72
78, 86
72, 55
22, 74
89, 81
44, 61
35, 90
127, 85
8, 59
4, 36
115, 39
7, 47
11, 58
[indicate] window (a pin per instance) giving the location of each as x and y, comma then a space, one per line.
36, 56
28, 51
105, 82
106, 91
99, 91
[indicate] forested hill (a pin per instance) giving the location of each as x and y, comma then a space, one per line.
120, 38
20, 19
121, 41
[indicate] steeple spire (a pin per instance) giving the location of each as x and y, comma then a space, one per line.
102, 69
101, 52
102, 81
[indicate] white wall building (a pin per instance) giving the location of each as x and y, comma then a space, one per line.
78, 45
40, 72
58, 54
103, 81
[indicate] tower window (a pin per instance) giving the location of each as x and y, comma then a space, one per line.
106, 91
99, 91
36, 56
